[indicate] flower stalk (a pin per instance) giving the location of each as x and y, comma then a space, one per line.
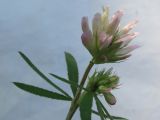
74, 103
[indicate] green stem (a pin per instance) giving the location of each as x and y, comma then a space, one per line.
74, 104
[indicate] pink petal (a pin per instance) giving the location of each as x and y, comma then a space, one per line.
84, 23
102, 37
115, 21
127, 50
106, 43
96, 23
129, 26
109, 40
127, 37
87, 38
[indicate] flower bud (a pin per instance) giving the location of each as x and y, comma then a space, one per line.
110, 98
103, 82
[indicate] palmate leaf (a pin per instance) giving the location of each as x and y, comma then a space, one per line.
72, 69
41, 92
28, 61
86, 106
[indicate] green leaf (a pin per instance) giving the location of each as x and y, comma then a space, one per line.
104, 109
86, 106
67, 81
28, 61
72, 70
63, 79
41, 92
100, 110
114, 117
118, 118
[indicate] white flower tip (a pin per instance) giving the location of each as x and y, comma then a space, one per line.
133, 23
104, 8
135, 47
120, 12
136, 33
130, 26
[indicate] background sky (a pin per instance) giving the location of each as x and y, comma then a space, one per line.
44, 29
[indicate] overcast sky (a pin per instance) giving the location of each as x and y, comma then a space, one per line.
44, 29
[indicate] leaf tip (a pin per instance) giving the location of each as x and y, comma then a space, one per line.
19, 52
16, 84
67, 53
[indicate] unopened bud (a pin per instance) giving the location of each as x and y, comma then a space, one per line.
110, 99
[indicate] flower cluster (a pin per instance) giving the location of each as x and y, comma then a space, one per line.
104, 82
107, 42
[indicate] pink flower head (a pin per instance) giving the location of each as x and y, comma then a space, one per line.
107, 40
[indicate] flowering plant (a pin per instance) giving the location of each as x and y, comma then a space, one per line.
107, 42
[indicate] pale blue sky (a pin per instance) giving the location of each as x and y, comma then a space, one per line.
44, 29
